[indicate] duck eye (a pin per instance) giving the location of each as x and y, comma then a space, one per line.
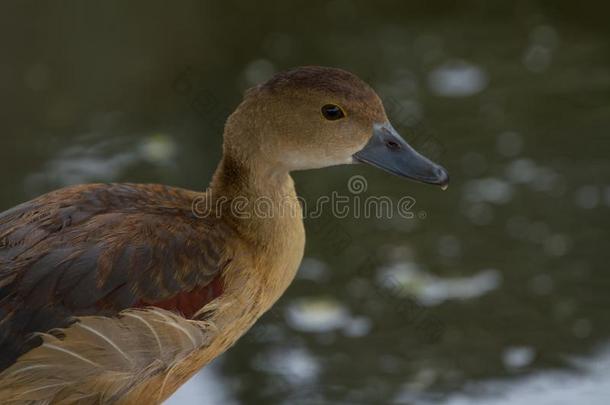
332, 112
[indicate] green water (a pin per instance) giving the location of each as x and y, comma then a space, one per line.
502, 278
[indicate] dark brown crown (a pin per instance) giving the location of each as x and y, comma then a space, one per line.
320, 78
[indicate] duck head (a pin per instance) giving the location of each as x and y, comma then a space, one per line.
313, 117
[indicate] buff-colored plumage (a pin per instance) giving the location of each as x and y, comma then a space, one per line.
99, 359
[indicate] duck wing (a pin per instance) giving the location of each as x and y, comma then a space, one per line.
96, 250
102, 360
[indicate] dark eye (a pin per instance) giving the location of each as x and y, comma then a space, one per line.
332, 112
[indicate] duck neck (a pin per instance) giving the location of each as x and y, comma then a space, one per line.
254, 196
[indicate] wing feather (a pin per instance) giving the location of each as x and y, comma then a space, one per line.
121, 355
100, 249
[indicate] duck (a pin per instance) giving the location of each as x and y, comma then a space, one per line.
120, 292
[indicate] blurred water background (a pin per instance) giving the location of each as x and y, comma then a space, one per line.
496, 292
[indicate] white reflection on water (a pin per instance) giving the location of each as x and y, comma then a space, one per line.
296, 366
557, 244
407, 279
479, 213
320, 315
457, 78
539, 54
591, 387
522, 171
317, 314
554, 244
490, 189
526, 171
78, 164
323, 315
102, 160
518, 357
313, 269
207, 387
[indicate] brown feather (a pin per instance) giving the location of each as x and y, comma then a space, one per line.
99, 249
98, 359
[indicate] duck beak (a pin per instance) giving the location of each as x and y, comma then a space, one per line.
388, 151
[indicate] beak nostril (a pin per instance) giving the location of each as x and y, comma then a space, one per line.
388, 151
392, 145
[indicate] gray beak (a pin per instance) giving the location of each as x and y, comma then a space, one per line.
388, 151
